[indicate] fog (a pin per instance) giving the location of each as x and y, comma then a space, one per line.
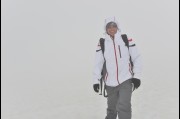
48, 49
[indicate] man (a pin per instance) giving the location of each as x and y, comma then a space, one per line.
120, 73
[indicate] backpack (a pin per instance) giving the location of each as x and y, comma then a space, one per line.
104, 71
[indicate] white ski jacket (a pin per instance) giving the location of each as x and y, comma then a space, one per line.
117, 58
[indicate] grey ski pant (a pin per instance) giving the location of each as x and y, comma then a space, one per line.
119, 101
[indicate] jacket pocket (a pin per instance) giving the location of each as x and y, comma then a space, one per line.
119, 51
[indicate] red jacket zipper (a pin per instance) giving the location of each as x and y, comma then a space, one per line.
116, 61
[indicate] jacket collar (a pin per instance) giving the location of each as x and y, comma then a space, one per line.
117, 36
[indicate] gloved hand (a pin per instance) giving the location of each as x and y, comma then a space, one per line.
96, 88
136, 82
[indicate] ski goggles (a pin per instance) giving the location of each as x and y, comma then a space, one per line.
111, 24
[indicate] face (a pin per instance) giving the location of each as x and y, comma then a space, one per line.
111, 29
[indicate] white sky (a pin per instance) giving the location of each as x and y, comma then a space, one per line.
48, 49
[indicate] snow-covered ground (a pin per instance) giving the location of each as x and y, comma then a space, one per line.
48, 52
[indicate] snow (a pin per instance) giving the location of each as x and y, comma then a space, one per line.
48, 52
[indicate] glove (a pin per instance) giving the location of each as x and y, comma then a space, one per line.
136, 82
96, 88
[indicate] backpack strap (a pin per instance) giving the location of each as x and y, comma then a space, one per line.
103, 73
125, 39
102, 44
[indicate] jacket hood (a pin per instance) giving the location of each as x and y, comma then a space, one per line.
110, 19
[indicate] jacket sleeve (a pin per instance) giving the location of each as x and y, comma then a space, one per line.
136, 59
98, 65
